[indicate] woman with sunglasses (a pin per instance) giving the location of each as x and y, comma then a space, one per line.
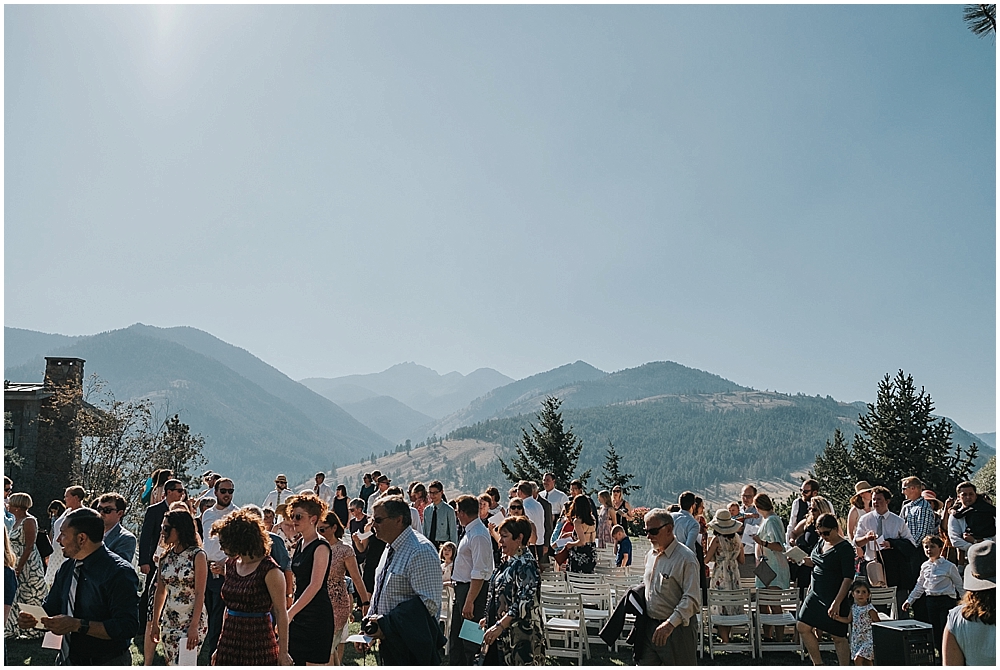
179, 616
832, 563
516, 508
342, 563
805, 536
254, 594
310, 627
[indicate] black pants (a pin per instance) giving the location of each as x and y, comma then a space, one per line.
462, 652
216, 608
121, 658
146, 607
934, 610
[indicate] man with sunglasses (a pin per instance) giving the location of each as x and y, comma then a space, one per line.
224, 490
118, 540
800, 506
673, 595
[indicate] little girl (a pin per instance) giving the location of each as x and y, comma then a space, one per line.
447, 555
863, 613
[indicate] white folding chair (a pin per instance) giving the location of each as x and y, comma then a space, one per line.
737, 603
563, 622
598, 601
585, 579
787, 601
444, 615
885, 596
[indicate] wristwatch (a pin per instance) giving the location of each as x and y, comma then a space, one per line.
84, 627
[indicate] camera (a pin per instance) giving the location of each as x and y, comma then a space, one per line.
370, 626
357, 615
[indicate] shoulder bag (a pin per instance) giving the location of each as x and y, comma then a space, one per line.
43, 544
764, 572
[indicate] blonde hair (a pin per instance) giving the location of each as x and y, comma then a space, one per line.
20, 500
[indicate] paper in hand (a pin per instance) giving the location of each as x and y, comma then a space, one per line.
35, 611
362, 536
185, 657
52, 641
362, 639
472, 632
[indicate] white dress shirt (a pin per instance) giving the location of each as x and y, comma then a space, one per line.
275, 498
475, 554
210, 543
938, 578
324, 492
557, 499
750, 528
536, 514
893, 527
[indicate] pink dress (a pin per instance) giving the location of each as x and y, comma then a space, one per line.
336, 585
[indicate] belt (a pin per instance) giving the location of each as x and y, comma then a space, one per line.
252, 615
462, 583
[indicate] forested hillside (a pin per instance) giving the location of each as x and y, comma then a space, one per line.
673, 443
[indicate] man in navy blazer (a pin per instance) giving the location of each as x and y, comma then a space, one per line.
117, 539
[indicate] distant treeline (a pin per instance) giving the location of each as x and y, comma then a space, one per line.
672, 445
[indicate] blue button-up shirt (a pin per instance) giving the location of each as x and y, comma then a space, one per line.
686, 529
107, 591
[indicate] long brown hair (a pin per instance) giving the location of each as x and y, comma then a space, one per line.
980, 605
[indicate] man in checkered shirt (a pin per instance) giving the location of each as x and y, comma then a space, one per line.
409, 565
917, 512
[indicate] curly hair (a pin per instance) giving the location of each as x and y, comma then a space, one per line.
241, 533
517, 527
309, 502
981, 605
181, 520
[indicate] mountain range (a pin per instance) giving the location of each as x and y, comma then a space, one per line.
674, 426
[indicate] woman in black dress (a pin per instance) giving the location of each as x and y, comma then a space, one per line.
832, 563
310, 628
340, 505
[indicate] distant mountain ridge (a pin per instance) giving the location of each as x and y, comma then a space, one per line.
256, 421
580, 385
416, 386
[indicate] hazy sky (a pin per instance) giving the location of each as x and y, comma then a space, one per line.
795, 198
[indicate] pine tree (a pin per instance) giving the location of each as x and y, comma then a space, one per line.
613, 476
551, 448
181, 451
899, 437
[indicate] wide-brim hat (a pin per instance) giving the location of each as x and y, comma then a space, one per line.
724, 523
981, 572
862, 486
281, 478
929, 496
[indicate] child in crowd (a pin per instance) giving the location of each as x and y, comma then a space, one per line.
734, 509
938, 589
860, 618
623, 547
447, 554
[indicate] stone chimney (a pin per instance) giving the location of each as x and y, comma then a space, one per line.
63, 371
57, 460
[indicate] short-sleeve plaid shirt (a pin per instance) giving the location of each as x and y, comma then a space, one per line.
415, 570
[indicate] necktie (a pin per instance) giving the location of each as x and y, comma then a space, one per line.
381, 581
878, 528
70, 605
434, 525
316, 489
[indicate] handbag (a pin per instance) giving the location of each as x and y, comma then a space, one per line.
764, 572
43, 544
875, 572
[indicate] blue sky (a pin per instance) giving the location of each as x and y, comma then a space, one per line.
798, 198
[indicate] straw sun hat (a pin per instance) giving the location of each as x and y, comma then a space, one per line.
724, 523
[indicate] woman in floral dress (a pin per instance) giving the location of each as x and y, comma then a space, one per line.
582, 552
343, 561
180, 588
607, 518
29, 567
726, 550
513, 620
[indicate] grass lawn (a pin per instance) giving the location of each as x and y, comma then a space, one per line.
30, 652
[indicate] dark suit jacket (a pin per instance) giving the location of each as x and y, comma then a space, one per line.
633, 602
150, 534
412, 636
549, 523
121, 541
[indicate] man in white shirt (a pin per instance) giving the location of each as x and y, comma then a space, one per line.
751, 524
322, 489
880, 525
555, 497
382, 485
536, 514
224, 490
473, 567
277, 496
73, 497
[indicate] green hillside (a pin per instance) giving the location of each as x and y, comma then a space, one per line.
693, 441
250, 433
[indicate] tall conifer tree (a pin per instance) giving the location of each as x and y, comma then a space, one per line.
548, 447
613, 476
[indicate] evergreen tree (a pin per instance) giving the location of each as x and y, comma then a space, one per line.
835, 471
181, 451
551, 448
899, 437
613, 476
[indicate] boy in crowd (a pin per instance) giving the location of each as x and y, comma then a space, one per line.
623, 547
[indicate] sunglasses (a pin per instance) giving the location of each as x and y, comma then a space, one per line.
227, 490
825, 533
322, 529
379, 519
652, 531
433, 492
298, 516
516, 507
107, 510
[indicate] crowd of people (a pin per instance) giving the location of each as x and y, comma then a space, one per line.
279, 583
